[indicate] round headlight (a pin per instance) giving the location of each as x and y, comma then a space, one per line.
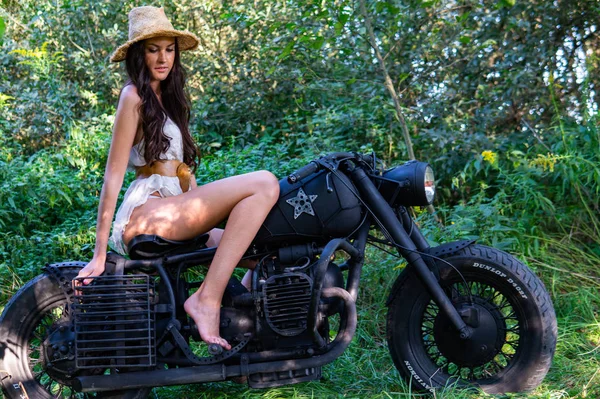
429, 184
410, 184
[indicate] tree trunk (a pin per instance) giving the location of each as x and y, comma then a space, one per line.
388, 81
389, 85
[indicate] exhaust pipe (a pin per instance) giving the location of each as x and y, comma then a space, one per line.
221, 372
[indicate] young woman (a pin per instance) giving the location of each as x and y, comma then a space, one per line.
151, 134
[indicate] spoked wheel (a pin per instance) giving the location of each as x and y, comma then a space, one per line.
508, 309
37, 346
50, 356
495, 340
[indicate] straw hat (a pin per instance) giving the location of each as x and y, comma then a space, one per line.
147, 22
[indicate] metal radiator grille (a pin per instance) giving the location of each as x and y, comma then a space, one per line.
287, 298
114, 322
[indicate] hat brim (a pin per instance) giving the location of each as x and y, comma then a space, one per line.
185, 41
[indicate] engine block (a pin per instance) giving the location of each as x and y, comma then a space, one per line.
286, 302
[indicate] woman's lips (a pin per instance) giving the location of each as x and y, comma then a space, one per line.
162, 69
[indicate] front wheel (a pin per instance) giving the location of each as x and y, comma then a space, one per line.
36, 347
506, 305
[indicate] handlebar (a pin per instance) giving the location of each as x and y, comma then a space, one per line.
303, 172
316, 165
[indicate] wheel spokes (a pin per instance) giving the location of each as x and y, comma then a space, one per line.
502, 310
36, 356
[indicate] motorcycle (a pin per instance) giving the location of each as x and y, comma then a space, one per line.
459, 314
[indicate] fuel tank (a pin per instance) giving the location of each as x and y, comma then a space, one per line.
317, 208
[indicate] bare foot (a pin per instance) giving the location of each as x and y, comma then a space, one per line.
206, 317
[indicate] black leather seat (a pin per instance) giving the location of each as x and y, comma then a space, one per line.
150, 246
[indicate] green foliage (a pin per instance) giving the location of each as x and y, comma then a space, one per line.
50, 185
44, 98
554, 183
2, 29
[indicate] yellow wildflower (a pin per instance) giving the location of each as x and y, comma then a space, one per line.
4, 99
490, 156
545, 162
38, 53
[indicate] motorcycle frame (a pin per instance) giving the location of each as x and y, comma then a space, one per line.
410, 246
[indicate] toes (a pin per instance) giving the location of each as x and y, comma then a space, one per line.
219, 341
224, 343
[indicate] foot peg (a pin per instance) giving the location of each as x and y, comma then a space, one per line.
215, 349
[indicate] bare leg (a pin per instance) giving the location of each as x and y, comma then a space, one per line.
215, 239
247, 199
204, 305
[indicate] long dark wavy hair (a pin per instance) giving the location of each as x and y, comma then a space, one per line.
153, 115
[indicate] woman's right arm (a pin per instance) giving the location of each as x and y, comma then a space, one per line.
124, 130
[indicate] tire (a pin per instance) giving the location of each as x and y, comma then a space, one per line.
512, 347
36, 310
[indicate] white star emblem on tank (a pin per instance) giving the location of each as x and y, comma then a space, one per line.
302, 203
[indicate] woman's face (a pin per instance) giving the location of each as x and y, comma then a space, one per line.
159, 54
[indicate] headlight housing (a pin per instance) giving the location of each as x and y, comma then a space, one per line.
411, 184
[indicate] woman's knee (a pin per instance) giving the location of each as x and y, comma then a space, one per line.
267, 185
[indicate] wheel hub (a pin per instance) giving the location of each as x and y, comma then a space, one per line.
487, 339
59, 353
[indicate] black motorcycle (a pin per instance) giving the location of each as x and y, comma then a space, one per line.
459, 314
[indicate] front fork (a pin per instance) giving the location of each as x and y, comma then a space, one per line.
386, 218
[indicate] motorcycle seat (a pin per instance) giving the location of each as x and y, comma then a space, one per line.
150, 246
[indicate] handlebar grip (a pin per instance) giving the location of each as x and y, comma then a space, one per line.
301, 173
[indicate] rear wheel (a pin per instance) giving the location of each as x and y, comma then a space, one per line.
506, 305
36, 350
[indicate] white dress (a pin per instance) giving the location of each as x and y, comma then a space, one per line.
140, 189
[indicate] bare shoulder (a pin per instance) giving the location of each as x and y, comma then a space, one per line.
129, 98
127, 118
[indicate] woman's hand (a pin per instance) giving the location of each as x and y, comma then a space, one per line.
92, 269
